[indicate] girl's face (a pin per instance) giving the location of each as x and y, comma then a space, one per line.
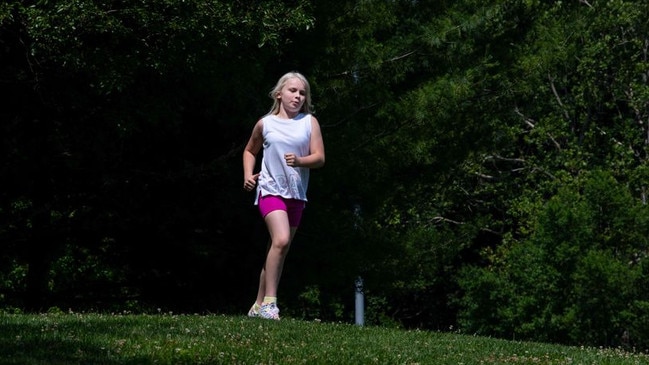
292, 95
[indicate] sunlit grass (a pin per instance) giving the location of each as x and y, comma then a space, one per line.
199, 339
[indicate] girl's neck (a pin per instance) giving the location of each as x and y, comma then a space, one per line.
285, 115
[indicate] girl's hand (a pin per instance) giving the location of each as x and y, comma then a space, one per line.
250, 182
291, 159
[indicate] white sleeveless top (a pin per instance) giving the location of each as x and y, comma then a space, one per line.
283, 136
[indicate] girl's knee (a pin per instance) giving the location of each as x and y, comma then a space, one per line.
281, 243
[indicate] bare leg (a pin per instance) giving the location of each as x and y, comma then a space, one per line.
261, 293
281, 236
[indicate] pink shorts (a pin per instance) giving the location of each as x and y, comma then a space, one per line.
292, 207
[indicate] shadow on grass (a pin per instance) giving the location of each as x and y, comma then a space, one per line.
27, 345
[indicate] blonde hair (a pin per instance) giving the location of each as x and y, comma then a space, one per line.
306, 107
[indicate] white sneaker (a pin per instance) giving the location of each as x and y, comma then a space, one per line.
269, 311
254, 311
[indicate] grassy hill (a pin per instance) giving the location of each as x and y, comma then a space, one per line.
212, 339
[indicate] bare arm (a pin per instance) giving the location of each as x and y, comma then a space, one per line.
316, 156
250, 157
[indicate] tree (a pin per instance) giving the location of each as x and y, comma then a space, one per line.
575, 277
412, 84
580, 63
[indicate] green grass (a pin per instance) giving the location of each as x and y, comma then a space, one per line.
198, 339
